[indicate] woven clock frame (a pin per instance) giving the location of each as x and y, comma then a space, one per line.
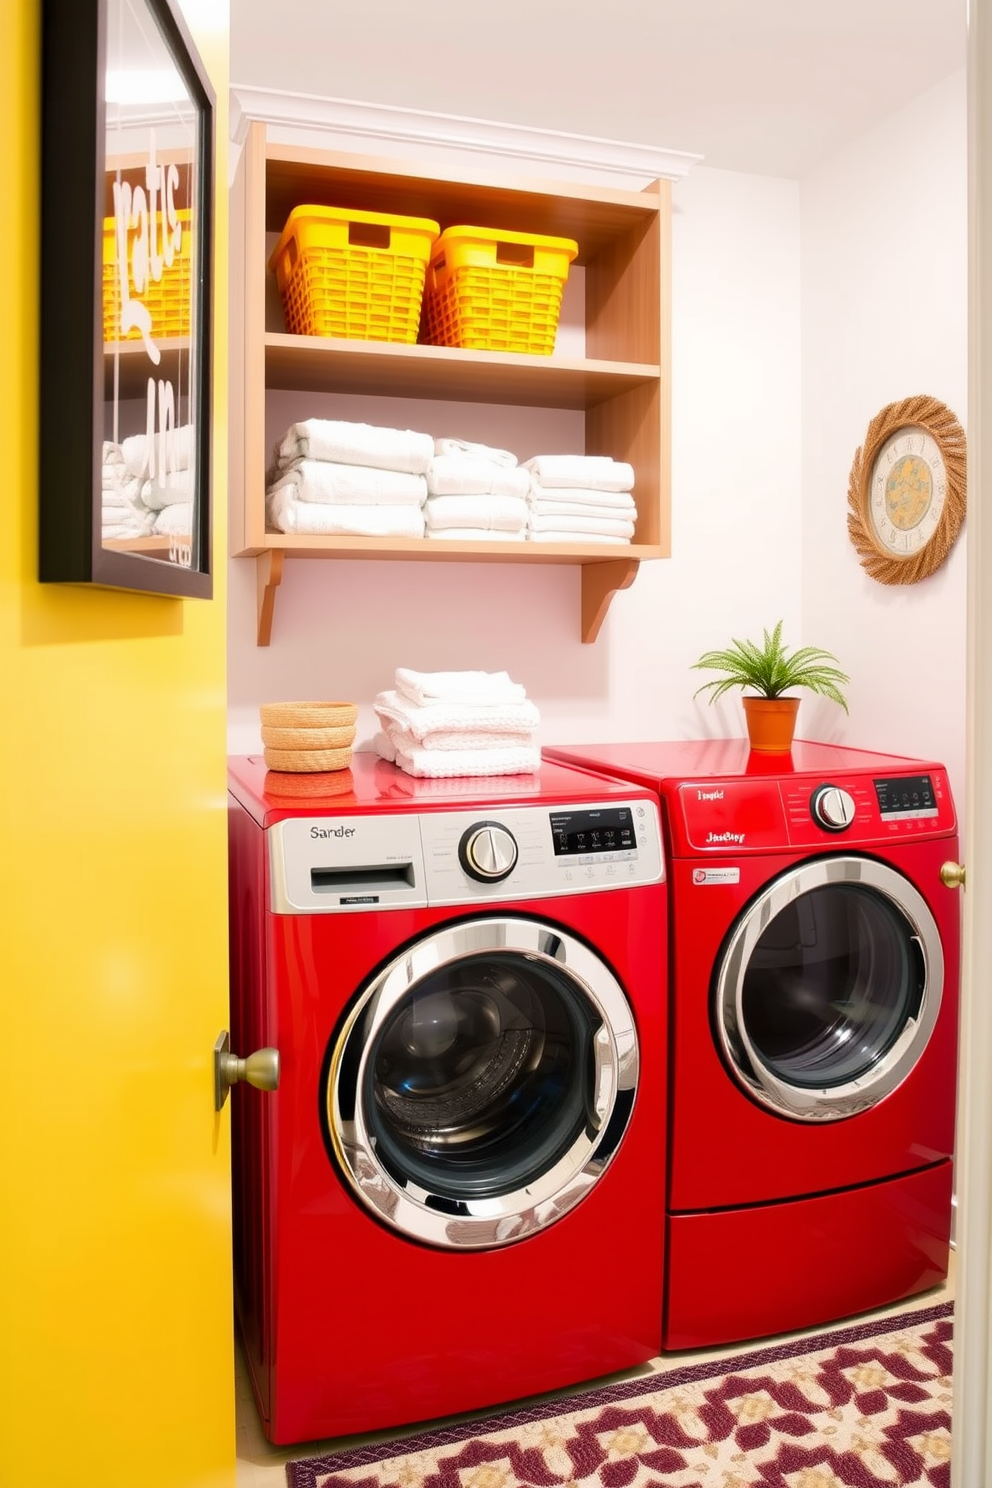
937, 420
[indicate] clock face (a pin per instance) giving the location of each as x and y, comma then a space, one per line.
908, 491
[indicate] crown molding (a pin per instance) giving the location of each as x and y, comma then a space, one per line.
384, 124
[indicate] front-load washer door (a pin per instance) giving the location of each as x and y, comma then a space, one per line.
828, 988
482, 1082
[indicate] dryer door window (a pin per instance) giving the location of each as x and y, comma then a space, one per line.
482, 1083
828, 988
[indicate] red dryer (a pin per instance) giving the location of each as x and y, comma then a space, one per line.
455, 1195
814, 972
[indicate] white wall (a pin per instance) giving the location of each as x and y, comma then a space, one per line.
884, 317
342, 627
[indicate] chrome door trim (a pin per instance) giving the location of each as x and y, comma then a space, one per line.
491, 1221
836, 1102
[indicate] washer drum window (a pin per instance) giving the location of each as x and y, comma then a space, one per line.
482, 1083
829, 988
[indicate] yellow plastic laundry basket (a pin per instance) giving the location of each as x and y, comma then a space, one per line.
167, 299
492, 290
353, 274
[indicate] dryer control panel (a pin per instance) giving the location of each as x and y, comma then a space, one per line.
320, 865
809, 811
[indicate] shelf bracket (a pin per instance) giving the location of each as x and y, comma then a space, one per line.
268, 577
600, 581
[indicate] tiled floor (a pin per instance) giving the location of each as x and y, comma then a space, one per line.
261, 1465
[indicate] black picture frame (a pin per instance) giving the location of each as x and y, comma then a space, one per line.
105, 519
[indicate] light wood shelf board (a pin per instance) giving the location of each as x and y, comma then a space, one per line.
323, 364
434, 550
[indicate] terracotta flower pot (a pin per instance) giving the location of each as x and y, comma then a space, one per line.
771, 723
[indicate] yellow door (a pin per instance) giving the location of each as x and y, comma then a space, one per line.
116, 1339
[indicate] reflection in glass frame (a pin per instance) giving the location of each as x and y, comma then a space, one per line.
126, 260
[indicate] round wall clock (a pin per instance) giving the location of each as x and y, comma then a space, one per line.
907, 490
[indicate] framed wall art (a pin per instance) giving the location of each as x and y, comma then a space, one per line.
126, 258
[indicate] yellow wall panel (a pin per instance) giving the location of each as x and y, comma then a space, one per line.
116, 1339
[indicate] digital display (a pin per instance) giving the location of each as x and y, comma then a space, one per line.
905, 795
593, 834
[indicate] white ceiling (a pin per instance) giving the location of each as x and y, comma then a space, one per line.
772, 87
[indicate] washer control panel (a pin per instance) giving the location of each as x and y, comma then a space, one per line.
601, 835
416, 859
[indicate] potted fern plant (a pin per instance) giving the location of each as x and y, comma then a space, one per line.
771, 672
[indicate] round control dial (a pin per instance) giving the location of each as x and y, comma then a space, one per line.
487, 852
832, 807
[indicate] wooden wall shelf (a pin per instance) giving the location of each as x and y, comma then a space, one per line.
621, 385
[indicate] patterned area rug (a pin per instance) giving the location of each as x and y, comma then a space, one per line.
864, 1407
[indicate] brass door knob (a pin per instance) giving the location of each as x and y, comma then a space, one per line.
952, 875
260, 1069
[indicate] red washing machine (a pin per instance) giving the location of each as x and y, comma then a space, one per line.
813, 1044
455, 1195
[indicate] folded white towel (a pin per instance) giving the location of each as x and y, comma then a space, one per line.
427, 688
604, 526
560, 513
475, 534
576, 537
539, 495
124, 496
350, 485
286, 514
176, 521
357, 444
113, 468
125, 491
125, 523
464, 475
168, 450
118, 531
441, 764
166, 491
395, 711
480, 451
114, 473
384, 746
403, 741
599, 471
497, 513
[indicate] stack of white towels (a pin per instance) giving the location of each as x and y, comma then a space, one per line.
580, 499
123, 514
475, 493
147, 485
333, 476
163, 465
330, 476
443, 724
